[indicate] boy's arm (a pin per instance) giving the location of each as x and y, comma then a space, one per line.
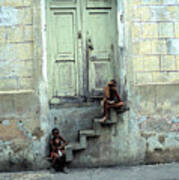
64, 143
52, 145
118, 95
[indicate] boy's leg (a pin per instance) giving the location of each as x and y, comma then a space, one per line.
61, 163
116, 105
105, 110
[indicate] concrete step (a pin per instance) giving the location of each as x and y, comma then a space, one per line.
83, 134
72, 147
107, 122
69, 153
83, 141
77, 146
89, 133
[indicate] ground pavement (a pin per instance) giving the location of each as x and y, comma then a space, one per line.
149, 172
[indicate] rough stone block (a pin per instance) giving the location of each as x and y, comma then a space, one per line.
8, 84
8, 16
145, 13
143, 77
2, 35
169, 2
28, 33
133, 13
13, 3
24, 16
163, 13
151, 63
27, 2
28, 17
139, 13
177, 62
166, 30
138, 64
166, 77
177, 30
173, 46
136, 48
23, 68
158, 13
168, 63
16, 68
24, 51
153, 2
173, 12
136, 2
160, 76
136, 31
159, 47
8, 52
13, 52
25, 83
173, 77
15, 34
146, 47
150, 30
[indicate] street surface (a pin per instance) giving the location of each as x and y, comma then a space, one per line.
149, 172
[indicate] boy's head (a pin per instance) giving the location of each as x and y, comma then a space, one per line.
112, 82
55, 132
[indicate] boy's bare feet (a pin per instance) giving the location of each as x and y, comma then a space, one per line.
104, 119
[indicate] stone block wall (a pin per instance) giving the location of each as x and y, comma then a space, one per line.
155, 41
16, 45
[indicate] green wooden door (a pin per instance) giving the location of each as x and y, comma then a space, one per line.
81, 46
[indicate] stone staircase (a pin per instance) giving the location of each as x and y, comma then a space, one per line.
83, 135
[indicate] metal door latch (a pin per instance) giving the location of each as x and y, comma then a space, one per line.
79, 35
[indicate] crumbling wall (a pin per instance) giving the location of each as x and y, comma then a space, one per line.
153, 48
20, 127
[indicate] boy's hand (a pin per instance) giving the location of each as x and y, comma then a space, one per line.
60, 147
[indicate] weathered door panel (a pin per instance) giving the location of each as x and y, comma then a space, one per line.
99, 3
63, 62
100, 29
63, 3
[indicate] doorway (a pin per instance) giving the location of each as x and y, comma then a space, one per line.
81, 47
